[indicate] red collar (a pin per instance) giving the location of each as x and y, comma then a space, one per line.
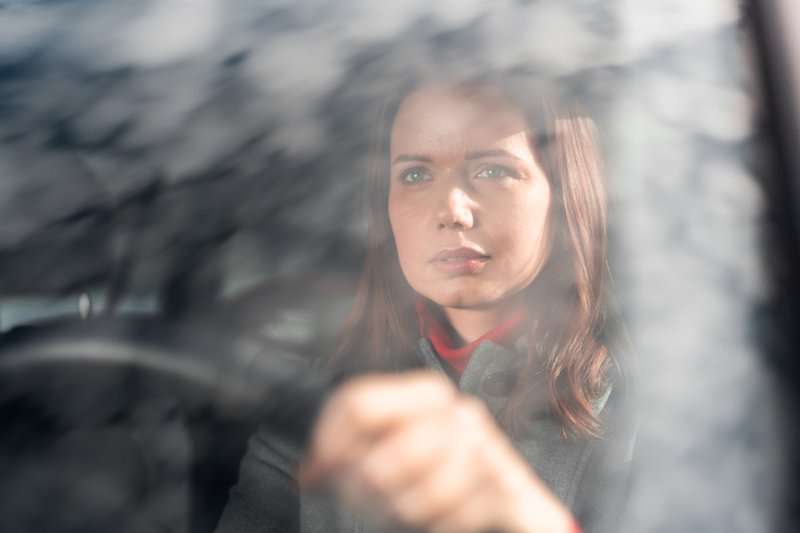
505, 333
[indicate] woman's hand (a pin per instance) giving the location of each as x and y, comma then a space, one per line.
411, 450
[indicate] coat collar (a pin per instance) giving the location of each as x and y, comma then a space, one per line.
559, 461
491, 372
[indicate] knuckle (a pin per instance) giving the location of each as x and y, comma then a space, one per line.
442, 500
472, 412
438, 387
411, 512
461, 523
373, 478
350, 404
428, 502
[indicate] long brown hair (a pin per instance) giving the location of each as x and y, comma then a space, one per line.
566, 353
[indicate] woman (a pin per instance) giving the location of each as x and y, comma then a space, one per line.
487, 268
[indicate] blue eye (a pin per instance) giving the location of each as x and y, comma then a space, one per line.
495, 172
414, 175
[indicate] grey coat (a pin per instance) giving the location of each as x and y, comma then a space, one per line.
589, 476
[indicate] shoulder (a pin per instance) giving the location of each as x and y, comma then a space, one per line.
589, 475
602, 492
265, 497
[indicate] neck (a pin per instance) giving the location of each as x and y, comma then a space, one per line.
471, 324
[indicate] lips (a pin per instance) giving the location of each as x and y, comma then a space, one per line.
459, 261
459, 254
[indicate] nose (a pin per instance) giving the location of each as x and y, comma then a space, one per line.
455, 210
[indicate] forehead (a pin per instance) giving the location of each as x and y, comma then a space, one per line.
450, 117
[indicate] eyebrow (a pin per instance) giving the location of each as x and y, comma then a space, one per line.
478, 154
412, 157
488, 153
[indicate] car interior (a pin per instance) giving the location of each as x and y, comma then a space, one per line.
182, 231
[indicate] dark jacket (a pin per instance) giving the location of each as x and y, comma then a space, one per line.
589, 476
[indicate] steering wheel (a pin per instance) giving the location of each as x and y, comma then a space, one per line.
98, 372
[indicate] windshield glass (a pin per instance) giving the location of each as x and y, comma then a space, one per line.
210, 160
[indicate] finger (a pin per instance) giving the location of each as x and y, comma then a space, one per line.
443, 490
363, 409
487, 510
476, 513
519, 503
376, 402
359, 498
403, 457
473, 461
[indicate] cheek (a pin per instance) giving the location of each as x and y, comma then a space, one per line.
524, 231
406, 240
402, 217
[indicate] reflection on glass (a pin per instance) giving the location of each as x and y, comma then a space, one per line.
207, 162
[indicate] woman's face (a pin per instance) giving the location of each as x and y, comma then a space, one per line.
468, 200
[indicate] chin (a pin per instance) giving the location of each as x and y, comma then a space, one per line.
460, 299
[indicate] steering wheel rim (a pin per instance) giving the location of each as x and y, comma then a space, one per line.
99, 373
130, 359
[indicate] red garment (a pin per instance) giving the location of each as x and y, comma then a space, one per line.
505, 333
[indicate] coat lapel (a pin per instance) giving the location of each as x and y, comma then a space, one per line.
560, 462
